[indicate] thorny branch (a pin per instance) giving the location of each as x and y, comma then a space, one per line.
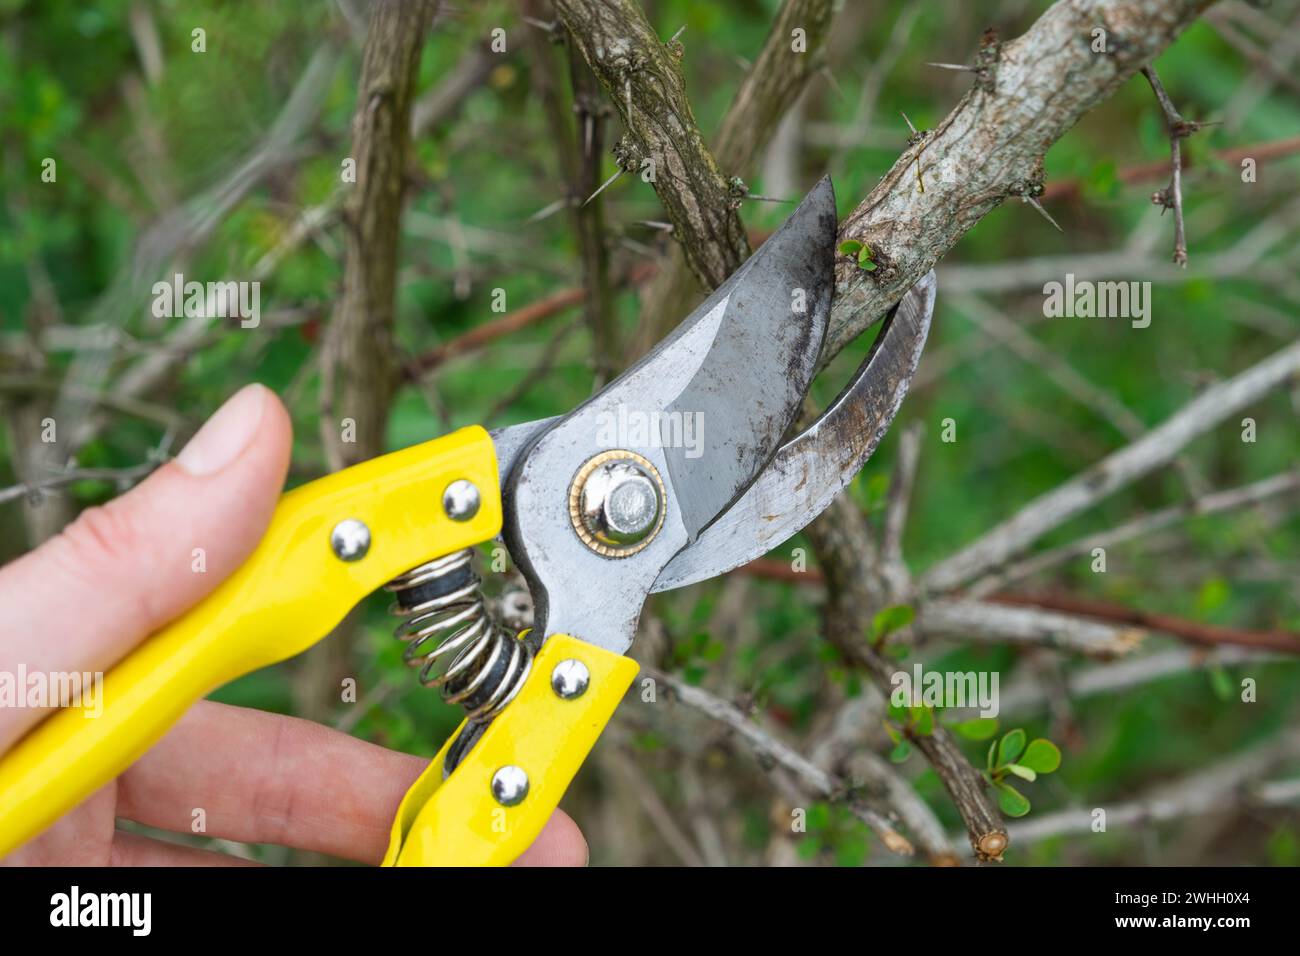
1171, 197
662, 141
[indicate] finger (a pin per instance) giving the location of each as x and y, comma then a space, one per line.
560, 843
266, 778
132, 849
80, 838
81, 601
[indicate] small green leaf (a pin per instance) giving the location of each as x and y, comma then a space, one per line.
1221, 683
892, 619
901, 752
1012, 802
977, 728
808, 848
850, 247
866, 264
890, 729
923, 721
1013, 743
1024, 773
1041, 755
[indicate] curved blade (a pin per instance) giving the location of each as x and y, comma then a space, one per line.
811, 469
707, 407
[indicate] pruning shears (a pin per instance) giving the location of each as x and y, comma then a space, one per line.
598, 508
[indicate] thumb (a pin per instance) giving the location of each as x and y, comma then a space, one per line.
81, 601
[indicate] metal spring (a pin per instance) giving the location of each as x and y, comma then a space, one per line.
452, 639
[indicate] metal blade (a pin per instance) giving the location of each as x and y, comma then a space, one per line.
770, 321
512, 440
810, 470
706, 408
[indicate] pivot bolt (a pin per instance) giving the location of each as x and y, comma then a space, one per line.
616, 503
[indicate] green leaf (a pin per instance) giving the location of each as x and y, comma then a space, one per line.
1024, 773
868, 265
890, 729
1041, 755
850, 247
977, 728
1011, 800
901, 752
1012, 746
808, 848
923, 721
1221, 683
892, 619
992, 749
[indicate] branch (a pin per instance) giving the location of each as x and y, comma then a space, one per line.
1029, 693
1171, 197
358, 379
775, 81
822, 782
645, 82
1113, 472
1024, 623
991, 146
1140, 527
1194, 631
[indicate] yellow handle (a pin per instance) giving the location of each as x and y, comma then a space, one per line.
457, 821
289, 594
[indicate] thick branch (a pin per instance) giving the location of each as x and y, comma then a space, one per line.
991, 146
644, 79
358, 375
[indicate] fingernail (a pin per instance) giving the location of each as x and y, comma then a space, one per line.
225, 434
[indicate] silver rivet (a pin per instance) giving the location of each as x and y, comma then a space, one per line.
510, 785
350, 539
570, 679
461, 500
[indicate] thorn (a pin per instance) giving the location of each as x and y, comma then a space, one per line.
550, 210
680, 31
603, 186
1037, 205
908, 122
956, 66
540, 24
742, 63
654, 224
767, 198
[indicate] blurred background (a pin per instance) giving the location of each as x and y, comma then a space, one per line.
225, 165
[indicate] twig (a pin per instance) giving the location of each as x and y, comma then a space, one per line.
823, 783
1194, 631
1140, 527
1260, 152
1157, 447
1171, 197
1023, 623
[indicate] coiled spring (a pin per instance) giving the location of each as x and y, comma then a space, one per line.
452, 639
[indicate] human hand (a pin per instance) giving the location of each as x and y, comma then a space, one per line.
86, 598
